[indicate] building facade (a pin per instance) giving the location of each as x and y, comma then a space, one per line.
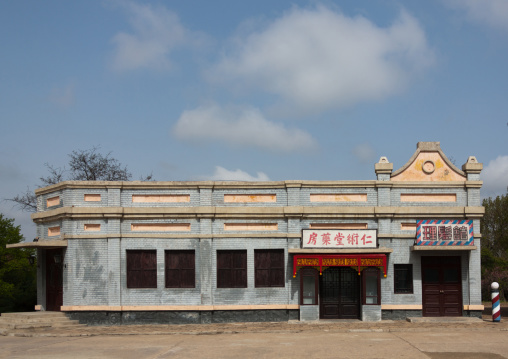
405, 244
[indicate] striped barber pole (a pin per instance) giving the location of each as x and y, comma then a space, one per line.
496, 305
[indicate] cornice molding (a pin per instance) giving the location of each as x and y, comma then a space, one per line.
258, 212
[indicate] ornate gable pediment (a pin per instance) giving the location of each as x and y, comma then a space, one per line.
428, 163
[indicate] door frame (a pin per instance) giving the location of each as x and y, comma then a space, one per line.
310, 272
340, 304
54, 293
441, 290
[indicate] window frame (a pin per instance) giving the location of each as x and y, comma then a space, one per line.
397, 268
314, 273
143, 276
232, 265
184, 270
272, 267
371, 272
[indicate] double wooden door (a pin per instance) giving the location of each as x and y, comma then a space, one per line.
441, 287
339, 289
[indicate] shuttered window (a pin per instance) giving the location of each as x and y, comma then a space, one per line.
141, 269
232, 269
180, 269
269, 267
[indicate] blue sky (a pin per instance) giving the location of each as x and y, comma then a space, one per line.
259, 90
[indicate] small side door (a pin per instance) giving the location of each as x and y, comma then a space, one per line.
54, 279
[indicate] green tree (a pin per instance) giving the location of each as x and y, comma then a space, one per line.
494, 226
18, 288
494, 230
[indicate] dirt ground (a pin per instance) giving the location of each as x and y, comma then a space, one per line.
338, 326
487, 311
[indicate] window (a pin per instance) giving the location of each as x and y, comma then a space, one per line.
232, 269
53, 231
141, 269
403, 278
180, 269
309, 279
53, 201
371, 286
269, 267
92, 197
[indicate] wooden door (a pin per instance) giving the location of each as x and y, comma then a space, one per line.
441, 287
339, 294
54, 279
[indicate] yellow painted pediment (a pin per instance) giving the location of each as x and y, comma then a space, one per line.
428, 164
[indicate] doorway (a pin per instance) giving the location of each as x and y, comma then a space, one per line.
54, 279
441, 287
339, 293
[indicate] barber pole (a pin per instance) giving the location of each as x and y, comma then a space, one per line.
496, 305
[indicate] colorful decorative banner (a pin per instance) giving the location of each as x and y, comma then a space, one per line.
444, 233
339, 238
348, 260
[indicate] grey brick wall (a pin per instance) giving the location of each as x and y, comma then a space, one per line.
126, 198
371, 192
76, 197
249, 295
159, 295
95, 268
218, 197
125, 226
396, 192
86, 272
218, 225
42, 201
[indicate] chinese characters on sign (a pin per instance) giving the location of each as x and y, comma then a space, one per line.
339, 238
323, 261
444, 232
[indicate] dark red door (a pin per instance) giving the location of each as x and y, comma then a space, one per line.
441, 287
339, 294
54, 279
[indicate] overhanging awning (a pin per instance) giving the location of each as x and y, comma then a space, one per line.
323, 261
40, 244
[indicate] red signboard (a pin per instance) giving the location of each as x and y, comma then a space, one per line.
322, 260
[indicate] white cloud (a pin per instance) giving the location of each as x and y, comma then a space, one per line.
317, 59
240, 126
156, 32
63, 97
222, 174
495, 176
364, 153
493, 13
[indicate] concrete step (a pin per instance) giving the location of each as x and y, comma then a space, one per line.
33, 320
73, 323
33, 314
28, 315
36, 320
24, 325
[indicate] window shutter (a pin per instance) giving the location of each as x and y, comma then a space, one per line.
141, 268
232, 269
269, 267
180, 269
